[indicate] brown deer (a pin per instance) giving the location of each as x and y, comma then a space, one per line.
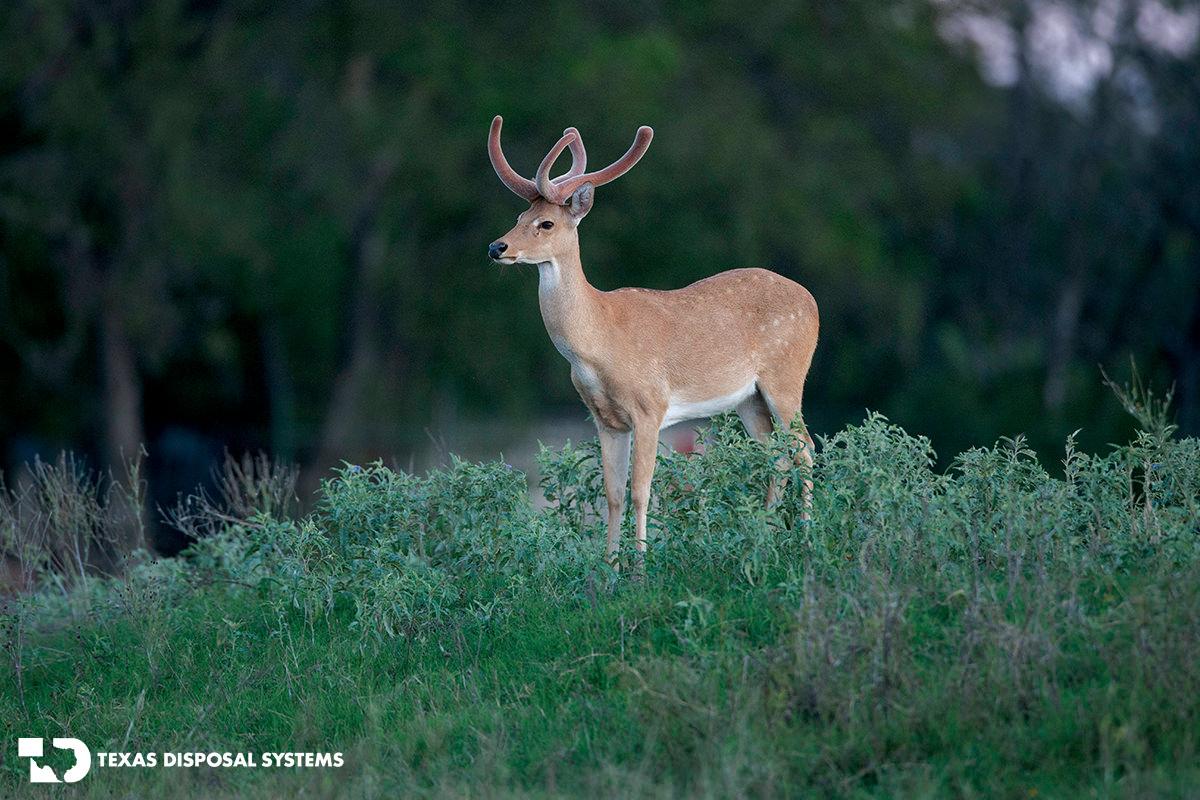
643, 359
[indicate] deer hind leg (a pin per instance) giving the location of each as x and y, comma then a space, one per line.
614, 452
785, 408
756, 416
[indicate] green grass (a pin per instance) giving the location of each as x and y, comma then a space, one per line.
988, 632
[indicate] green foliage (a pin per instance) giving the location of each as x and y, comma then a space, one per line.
723, 491
988, 630
365, 505
286, 213
572, 481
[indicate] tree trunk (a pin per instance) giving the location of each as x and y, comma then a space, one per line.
1063, 333
1184, 356
361, 361
122, 388
281, 396
367, 249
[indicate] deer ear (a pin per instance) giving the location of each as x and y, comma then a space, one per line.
581, 201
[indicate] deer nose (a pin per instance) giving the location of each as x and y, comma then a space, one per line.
495, 249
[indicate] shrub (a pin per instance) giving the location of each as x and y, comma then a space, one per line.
946, 633
63, 522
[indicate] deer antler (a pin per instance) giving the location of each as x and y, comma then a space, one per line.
546, 187
578, 157
508, 176
522, 186
561, 190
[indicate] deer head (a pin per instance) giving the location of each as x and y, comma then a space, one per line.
556, 206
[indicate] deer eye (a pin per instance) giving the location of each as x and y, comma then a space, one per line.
545, 224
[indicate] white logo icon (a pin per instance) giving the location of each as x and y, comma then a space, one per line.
34, 748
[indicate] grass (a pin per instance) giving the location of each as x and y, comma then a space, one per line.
992, 631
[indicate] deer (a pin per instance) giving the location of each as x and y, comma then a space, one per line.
645, 359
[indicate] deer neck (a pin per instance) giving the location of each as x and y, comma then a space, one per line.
568, 302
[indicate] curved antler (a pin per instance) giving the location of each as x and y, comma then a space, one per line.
578, 157
560, 191
508, 176
546, 187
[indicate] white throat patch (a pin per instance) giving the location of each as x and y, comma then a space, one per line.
549, 276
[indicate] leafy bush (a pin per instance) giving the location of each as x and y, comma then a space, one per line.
986, 630
572, 481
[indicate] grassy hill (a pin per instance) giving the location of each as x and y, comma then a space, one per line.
991, 631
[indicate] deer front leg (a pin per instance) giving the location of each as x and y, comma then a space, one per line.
614, 452
645, 449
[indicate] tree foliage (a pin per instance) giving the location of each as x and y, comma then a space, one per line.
265, 224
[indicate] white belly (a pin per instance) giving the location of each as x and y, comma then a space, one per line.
680, 409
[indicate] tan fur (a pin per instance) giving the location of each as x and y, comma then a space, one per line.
636, 352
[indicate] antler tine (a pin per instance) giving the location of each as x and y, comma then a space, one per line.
578, 157
561, 191
545, 186
508, 176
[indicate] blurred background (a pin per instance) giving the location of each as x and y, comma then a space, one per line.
262, 226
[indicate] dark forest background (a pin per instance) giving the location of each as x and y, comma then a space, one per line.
263, 225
